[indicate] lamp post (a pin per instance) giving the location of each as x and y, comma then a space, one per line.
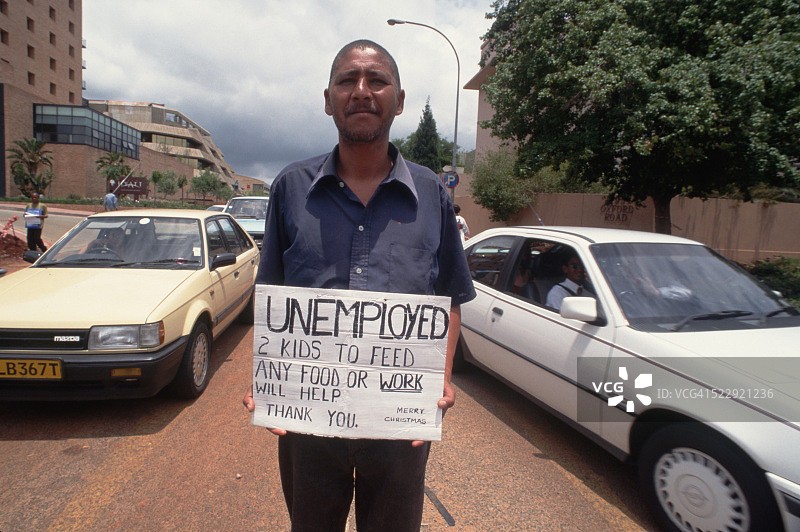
392, 22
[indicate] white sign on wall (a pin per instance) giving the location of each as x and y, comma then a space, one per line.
348, 363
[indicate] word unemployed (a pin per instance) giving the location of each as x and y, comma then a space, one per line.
332, 317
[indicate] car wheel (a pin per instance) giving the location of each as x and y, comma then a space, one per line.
696, 480
192, 377
460, 364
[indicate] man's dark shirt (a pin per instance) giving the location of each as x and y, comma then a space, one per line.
405, 240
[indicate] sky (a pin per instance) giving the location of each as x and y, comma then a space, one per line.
252, 72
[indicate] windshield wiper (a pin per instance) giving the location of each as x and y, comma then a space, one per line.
721, 315
86, 260
176, 261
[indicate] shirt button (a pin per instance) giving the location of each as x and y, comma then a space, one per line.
360, 227
358, 270
341, 184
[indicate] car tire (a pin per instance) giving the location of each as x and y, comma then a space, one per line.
460, 364
192, 376
694, 479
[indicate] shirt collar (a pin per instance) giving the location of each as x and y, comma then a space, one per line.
399, 171
569, 283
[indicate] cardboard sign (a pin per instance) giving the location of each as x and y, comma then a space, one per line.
348, 363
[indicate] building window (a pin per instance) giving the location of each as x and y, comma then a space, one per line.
71, 75
30, 24
72, 4
71, 97
31, 52
53, 13
71, 51
4, 7
4, 36
72, 28
52, 38
53, 89
31, 78
52, 64
65, 124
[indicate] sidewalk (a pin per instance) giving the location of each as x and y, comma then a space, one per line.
75, 211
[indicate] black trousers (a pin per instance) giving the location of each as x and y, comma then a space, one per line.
319, 476
35, 239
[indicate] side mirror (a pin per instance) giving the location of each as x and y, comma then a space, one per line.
31, 256
2, 272
580, 308
225, 259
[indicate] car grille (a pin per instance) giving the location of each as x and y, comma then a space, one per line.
30, 339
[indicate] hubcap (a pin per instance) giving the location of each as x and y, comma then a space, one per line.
200, 359
698, 493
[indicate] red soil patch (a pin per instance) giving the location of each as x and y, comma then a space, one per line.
11, 249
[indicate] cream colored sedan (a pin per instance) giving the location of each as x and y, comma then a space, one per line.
125, 304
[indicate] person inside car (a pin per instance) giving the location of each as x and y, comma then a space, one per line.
574, 284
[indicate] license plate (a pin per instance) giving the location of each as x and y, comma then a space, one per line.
29, 369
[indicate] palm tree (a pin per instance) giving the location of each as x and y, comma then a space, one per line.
112, 166
25, 160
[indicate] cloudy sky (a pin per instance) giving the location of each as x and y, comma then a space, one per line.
252, 72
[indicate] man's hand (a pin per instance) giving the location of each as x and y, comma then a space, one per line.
448, 400
250, 404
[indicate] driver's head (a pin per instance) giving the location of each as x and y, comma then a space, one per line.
115, 236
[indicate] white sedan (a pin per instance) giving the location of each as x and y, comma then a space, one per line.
659, 349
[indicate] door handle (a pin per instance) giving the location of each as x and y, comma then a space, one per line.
236, 274
496, 313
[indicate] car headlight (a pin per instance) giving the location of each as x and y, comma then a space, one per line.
126, 336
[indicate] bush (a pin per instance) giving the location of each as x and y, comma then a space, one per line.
781, 274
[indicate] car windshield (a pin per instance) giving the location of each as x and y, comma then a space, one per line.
255, 208
129, 242
674, 287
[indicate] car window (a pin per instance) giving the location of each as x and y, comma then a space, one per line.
255, 208
231, 237
130, 242
486, 259
547, 271
215, 240
659, 286
244, 242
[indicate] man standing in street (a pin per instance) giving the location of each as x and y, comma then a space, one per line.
110, 202
362, 218
35, 213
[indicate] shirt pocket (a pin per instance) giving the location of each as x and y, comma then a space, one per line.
410, 270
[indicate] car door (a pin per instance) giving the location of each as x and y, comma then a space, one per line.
531, 345
231, 282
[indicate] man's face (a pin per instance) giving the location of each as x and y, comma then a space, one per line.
574, 270
363, 96
34, 198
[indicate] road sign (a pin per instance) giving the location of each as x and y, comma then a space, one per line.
450, 179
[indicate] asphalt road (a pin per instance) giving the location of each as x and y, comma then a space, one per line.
162, 464
54, 227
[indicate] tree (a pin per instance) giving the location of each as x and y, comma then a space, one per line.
167, 185
182, 182
112, 166
496, 186
26, 159
425, 149
424, 146
209, 183
652, 98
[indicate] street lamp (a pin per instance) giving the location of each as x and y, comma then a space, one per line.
392, 22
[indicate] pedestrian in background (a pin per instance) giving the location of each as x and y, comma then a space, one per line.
35, 213
362, 218
110, 202
462, 224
